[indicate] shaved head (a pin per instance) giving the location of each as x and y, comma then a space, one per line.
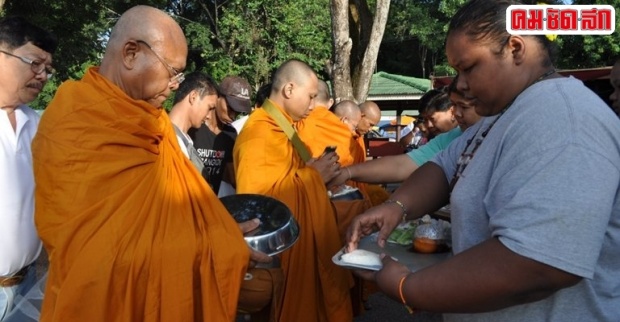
295, 88
349, 113
324, 98
292, 70
371, 115
348, 109
146, 49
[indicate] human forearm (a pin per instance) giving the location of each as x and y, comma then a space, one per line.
424, 191
387, 169
484, 278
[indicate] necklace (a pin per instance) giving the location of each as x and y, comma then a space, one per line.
466, 157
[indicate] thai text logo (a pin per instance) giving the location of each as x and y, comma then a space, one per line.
560, 19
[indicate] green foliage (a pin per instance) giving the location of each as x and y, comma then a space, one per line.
254, 37
590, 51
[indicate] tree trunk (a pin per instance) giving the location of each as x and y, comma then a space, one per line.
362, 73
367, 36
341, 62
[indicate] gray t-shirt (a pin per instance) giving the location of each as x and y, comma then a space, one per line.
545, 181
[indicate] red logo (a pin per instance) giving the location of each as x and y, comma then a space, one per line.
561, 19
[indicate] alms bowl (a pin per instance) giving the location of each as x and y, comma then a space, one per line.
278, 229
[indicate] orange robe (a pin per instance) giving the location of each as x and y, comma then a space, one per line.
266, 163
132, 230
323, 128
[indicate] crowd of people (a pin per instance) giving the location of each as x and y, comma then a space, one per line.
122, 196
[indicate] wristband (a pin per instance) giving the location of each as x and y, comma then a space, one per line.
402, 296
401, 205
349, 172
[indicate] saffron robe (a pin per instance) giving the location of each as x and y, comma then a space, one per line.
132, 230
266, 163
323, 128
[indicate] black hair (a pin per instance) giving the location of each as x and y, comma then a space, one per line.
262, 94
196, 81
439, 103
16, 31
486, 20
427, 97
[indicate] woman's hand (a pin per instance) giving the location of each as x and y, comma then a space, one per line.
384, 217
387, 277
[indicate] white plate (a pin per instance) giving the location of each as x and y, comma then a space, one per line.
337, 260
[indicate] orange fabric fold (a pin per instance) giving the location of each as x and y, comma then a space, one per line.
132, 230
266, 163
323, 128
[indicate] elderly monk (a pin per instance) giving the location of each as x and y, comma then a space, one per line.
267, 162
371, 115
133, 231
323, 128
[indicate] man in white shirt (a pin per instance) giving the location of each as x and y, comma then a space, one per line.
25, 61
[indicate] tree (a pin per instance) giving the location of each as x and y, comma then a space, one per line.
356, 39
590, 51
246, 38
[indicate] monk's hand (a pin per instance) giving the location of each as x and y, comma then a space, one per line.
248, 226
255, 256
384, 217
340, 179
327, 165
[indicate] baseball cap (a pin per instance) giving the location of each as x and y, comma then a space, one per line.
237, 92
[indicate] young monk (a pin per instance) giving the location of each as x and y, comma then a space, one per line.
535, 217
132, 229
267, 162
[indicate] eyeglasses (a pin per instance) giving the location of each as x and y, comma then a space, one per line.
36, 66
176, 77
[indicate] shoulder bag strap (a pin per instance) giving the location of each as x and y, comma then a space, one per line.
288, 129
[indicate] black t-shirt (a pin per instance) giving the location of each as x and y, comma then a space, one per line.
215, 152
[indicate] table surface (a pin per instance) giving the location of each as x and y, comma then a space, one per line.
414, 261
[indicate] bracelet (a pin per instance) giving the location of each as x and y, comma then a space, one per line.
401, 205
402, 296
349, 172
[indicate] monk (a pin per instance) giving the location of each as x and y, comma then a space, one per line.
132, 230
268, 163
322, 128
371, 115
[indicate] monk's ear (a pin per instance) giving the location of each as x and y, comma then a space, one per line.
130, 54
287, 90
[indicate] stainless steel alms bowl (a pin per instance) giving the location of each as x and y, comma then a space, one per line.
278, 229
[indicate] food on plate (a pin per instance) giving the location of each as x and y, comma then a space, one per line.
426, 245
431, 236
403, 234
361, 257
